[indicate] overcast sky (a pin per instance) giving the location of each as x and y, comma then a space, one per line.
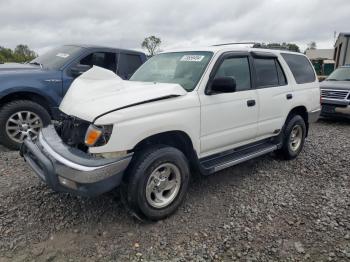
42, 24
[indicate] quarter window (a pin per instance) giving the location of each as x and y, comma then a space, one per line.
238, 68
301, 68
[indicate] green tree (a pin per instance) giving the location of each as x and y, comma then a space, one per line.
293, 47
6, 54
21, 54
312, 45
283, 46
151, 44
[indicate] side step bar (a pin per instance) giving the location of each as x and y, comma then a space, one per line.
234, 157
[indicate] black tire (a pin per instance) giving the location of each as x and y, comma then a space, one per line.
9, 109
287, 151
134, 190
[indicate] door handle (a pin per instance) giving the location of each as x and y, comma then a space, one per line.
251, 103
289, 96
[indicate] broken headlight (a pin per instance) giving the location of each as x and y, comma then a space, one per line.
98, 135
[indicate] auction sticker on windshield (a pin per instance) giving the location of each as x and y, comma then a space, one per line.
192, 58
63, 55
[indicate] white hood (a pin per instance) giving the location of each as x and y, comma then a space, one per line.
99, 90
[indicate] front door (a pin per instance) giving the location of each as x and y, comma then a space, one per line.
229, 120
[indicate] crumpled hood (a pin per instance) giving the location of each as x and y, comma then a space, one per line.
99, 91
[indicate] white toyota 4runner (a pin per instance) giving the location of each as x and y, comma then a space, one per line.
184, 111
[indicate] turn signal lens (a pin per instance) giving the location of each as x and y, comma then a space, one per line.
92, 135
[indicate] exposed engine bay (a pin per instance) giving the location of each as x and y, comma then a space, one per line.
72, 131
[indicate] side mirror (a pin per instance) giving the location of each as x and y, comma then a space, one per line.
78, 69
224, 84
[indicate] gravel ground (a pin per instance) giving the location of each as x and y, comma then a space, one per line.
265, 209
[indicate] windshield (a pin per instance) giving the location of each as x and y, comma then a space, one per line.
340, 74
57, 57
183, 68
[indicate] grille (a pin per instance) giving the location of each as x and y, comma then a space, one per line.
334, 94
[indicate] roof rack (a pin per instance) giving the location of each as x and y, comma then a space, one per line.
238, 43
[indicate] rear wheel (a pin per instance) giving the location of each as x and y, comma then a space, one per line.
19, 120
294, 138
157, 183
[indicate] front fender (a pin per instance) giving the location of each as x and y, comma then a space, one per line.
49, 96
138, 123
47, 85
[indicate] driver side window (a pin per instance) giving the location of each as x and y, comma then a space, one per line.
238, 68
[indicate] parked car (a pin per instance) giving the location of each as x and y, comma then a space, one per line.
31, 93
183, 111
335, 93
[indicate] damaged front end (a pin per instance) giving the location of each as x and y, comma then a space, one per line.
74, 132
61, 155
61, 159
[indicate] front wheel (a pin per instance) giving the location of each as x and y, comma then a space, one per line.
294, 138
20, 119
157, 182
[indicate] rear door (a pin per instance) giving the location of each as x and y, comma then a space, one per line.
306, 88
274, 93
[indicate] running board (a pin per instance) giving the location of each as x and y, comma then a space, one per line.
234, 157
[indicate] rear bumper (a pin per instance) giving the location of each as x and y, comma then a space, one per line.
314, 115
70, 170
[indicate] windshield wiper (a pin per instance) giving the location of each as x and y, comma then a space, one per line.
37, 63
332, 79
346, 79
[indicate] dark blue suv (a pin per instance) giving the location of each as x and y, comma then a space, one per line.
30, 93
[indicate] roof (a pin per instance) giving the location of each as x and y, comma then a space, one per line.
321, 54
105, 47
227, 48
346, 34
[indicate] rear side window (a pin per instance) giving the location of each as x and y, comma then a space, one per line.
301, 68
128, 64
101, 59
269, 72
281, 76
238, 68
266, 72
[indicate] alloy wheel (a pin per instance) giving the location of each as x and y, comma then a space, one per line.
23, 124
163, 185
296, 137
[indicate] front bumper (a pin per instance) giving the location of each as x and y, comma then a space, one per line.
68, 169
335, 108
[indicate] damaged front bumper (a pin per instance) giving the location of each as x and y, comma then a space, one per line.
68, 169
